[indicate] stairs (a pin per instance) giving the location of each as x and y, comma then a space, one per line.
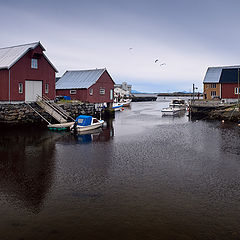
53, 109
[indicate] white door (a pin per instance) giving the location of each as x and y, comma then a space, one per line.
32, 90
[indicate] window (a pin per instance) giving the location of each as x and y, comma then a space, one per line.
73, 91
20, 88
111, 94
46, 87
91, 91
34, 63
236, 90
213, 93
213, 85
102, 91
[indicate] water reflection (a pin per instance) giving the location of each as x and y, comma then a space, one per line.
26, 167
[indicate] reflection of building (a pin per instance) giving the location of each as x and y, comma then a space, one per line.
26, 169
122, 90
221, 83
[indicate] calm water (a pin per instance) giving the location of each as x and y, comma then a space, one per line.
143, 177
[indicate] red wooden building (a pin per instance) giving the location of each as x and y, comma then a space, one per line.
25, 72
222, 83
93, 86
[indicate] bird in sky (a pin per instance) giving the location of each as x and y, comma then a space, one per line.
130, 48
162, 64
156, 61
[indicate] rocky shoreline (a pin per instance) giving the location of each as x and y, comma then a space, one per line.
227, 114
21, 114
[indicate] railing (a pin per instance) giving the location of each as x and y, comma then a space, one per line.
52, 110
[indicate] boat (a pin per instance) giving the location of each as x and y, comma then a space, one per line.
178, 103
117, 106
170, 111
60, 126
175, 107
86, 123
126, 102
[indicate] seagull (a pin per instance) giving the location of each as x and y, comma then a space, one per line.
156, 60
162, 64
130, 48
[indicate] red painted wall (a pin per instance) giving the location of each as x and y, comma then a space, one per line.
228, 90
105, 81
22, 71
4, 76
81, 94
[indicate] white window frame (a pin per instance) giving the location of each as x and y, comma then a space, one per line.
213, 93
34, 63
236, 90
111, 94
46, 88
213, 85
91, 91
72, 91
20, 87
102, 91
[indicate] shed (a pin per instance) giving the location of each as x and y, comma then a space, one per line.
221, 82
25, 72
93, 86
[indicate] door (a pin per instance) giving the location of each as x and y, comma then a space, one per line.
32, 90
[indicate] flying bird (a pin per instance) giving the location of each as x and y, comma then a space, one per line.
130, 48
156, 60
162, 64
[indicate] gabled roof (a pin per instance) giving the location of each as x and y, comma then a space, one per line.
213, 74
10, 55
229, 76
79, 79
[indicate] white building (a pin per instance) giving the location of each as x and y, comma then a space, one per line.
122, 90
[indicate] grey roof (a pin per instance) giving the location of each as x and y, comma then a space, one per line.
79, 79
10, 55
213, 74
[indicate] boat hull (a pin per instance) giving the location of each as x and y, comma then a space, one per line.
87, 128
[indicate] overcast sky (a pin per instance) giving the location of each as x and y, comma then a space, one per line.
128, 36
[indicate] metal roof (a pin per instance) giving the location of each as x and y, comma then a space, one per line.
213, 74
10, 55
79, 79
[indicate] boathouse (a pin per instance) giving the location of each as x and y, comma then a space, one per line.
92, 86
221, 83
25, 72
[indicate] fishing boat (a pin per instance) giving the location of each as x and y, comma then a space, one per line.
86, 123
178, 103
126, 102
175, 107
117, 106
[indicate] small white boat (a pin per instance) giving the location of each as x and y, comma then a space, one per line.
175, 107
178, 103
86, 123
117, 106
170, 111
126, 102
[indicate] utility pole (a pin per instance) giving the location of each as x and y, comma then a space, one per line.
193, 91
238, 89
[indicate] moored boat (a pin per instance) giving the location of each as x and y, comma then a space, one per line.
126, 102
86, 123
117, 106
175, 107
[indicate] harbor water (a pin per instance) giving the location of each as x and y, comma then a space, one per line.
144, 176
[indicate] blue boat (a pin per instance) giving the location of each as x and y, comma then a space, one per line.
86, 123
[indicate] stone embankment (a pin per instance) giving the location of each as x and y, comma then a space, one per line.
213, 110
16, 114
